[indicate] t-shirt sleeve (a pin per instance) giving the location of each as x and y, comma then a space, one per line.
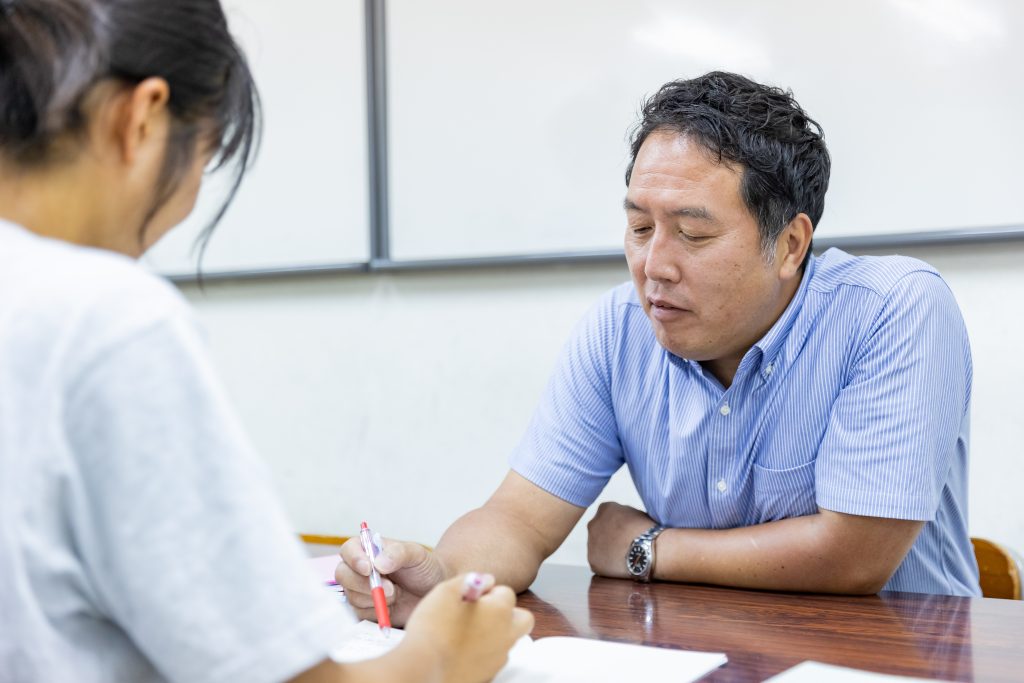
184, 543
895, 426
571, 446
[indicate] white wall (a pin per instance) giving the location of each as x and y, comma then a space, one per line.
397, 398
527, 104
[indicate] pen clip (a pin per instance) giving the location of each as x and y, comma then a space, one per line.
366, 540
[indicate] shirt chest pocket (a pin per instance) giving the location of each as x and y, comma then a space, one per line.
779, 494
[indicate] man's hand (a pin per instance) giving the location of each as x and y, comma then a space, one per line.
518, 527
410, 570
610, 534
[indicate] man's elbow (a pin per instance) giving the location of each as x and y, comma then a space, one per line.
866, 586
864, 552
861, 579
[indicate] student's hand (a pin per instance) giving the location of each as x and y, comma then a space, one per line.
468, 641
409, 571
610, 534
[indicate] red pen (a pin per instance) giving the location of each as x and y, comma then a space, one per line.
380, 603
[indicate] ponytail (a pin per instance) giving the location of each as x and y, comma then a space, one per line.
50, 54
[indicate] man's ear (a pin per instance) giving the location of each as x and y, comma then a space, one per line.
143, 119
793, 244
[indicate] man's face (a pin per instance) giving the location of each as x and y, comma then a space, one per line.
694, 251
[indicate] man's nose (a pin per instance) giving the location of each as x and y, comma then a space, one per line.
663, 259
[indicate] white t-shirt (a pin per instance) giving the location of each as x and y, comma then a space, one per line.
140, 538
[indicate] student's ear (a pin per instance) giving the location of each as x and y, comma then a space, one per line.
144, 120
793, 244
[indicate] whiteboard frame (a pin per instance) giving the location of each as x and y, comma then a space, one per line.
380, 254
853, 243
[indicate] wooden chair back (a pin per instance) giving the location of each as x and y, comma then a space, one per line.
999, 569
322, 545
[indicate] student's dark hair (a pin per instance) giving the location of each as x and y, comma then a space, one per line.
780, 149
52, 53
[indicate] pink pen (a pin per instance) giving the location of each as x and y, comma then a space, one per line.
380, 603
473, 587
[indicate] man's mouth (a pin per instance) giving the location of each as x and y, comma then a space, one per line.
664, 304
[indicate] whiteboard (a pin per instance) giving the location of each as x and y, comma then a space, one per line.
508, 121
305, 201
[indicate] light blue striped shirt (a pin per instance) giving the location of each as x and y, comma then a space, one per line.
856, 400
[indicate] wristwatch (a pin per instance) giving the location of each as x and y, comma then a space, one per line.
640, 558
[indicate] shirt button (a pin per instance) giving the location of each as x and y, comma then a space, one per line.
722, 486
725, 409
768, 369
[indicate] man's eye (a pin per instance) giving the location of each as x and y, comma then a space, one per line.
693, 238
640, 230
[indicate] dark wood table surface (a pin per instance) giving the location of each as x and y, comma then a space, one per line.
764, 633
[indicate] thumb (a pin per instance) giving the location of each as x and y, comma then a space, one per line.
411, 566
522, 621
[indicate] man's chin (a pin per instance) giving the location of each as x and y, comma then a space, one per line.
681, 348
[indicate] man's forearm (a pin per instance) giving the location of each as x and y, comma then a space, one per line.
490, 540
827, 552
515, 530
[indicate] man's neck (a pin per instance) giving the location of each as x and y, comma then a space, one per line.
724, 369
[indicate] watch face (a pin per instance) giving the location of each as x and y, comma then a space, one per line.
638, 559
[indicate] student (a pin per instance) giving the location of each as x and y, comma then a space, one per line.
791, 422
139, 536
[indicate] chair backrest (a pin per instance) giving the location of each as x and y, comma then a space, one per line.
999, 569
322, 545
317, 544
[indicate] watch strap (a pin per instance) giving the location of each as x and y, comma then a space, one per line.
647, 538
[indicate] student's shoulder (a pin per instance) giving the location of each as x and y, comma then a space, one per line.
98, 290
879, 275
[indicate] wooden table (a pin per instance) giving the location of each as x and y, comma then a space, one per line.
763, 633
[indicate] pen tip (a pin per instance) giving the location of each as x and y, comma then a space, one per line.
386, 630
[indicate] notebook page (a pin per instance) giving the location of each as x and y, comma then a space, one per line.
556, 659
365, 641
582, 660
814, 672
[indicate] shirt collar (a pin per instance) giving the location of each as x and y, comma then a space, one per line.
771, 343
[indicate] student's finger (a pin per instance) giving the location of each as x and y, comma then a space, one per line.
499, 596
522, 621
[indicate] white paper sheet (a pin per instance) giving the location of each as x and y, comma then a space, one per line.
365, 641
558, 659
584, 660
816, 672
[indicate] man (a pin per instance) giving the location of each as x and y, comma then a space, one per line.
790, 422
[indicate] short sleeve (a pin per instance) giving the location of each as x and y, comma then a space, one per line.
571, 446
895, 425
185, 545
